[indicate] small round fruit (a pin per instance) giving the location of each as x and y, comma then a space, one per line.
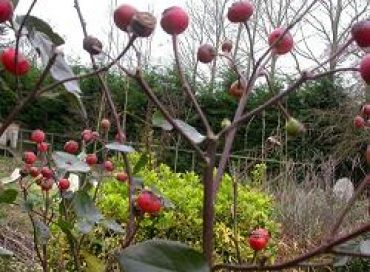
92, 45
143, 24
121, 176
227, 46
123, 15
25, 170
108, 166
6, 10
262, 232
8, 60
359, 122
206, 53
91, 159
46, 184
42, 147
34, 172
366, 110
147, 202
257, 242
361, 33
71, 147
240, 11
46, 172
105, 124
64, 184
365, 68
294, 127
29, 157
284, 45
236, 89
37, 136
87, 135
174, 20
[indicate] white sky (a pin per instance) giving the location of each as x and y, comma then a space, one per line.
62, 16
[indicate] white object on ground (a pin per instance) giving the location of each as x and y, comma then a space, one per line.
344, 189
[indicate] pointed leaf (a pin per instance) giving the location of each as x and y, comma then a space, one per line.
36, 24
112, 225
83, 226
161, 256
85, 207
158, 120
190, 131
8, 196
42, 232
69, 163
120, 147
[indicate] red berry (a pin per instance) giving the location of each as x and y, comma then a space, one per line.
105, 124
87, 135
147, 202
174, 20
226, 46
366, 110
257, 243
6, 10
37, 136
365, 68
46, 172
359, 122
8, 61
46, 184
34, 172
108, 166
361, 33
123, 16
262, 232
206, 53
71, 147
91, 159
63, 184
240, 11
284, 45
122, 176
25, 169
42, 147
29, 157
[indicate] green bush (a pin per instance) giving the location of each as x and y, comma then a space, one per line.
183, 222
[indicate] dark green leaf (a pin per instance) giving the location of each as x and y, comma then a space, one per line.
42, 232
161, 256
8, 196
140, 164
119, 147
36, 24
85, 207
112, 225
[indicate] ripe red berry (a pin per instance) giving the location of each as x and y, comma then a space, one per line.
206, 53
46, 172
8, 60
37, 136
63, 184
147, 202
46, 184
262, 232
108, 166
121, 176
34, 172
91, 159
240, 11
6, 10
366, 110
29, 157
284, 45
359, 122
174, 20
123, 16
42, 147
365, 68
361, 33
105, 124
257, 242
71, 147
226, 46
87, 135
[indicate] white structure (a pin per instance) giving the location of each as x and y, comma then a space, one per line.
10, 136
344, 189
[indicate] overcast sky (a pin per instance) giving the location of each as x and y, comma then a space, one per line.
62, 16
